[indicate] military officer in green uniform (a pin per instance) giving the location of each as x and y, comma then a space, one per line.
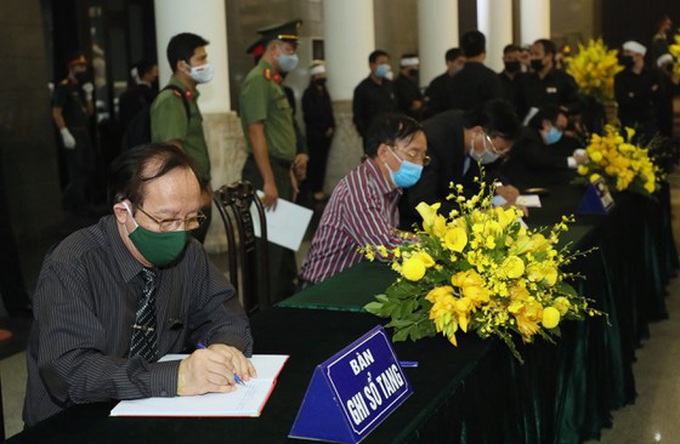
71, 111
170, 121
274, 164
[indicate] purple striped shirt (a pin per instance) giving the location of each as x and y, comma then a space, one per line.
362, 210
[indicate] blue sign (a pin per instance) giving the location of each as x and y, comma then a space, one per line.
597, 199
353, 391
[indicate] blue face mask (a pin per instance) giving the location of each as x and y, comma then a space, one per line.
287, 62
408, 173
486, 157
382, 70
553, 136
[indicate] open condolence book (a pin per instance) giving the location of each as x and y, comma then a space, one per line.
244, 401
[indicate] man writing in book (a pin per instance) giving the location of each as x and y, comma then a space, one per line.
113, 298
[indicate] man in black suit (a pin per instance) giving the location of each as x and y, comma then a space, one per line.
457, 144
475, 83
437, 94
546, 85
542, 150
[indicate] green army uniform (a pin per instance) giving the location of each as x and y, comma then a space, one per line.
263, 100
80, 160
169, 122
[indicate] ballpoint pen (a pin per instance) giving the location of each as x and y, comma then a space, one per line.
236, 377
408, 364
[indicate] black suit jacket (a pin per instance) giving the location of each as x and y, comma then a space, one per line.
532, 163
446, 147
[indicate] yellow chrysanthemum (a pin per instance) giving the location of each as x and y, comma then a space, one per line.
425, 258
466, 279
513, 267
551, 317
455, 239
562, 305
413, 268
439, 292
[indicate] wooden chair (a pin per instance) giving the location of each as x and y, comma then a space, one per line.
248, 258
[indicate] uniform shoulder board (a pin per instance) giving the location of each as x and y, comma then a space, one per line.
272, 75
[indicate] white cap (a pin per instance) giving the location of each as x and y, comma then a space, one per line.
409, 61
634, 46
317, 69
663, 60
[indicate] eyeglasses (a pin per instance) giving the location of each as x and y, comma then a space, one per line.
166, 225
415, 156
493, 147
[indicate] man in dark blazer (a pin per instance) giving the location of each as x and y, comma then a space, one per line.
457, 144
542, 150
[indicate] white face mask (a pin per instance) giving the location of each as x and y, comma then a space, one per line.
487, 155
202, 73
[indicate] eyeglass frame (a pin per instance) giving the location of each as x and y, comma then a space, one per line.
493, 147
199, 219
425, 161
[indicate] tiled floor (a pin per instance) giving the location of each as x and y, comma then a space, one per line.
653, 417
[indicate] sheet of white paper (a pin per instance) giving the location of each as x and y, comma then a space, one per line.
529, 200
245, 401
286, 226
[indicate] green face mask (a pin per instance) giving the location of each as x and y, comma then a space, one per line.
158, 248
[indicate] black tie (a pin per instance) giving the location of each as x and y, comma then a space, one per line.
144, 342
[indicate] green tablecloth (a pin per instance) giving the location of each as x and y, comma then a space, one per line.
474, 393
566, 393
347, 291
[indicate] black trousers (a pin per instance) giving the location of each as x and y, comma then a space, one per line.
318, 158
282, 265
12, 285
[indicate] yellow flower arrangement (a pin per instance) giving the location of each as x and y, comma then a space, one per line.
594, 68
624, 165
674, 49
478, 269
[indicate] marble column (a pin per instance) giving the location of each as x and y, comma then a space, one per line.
437, 33
534, 20
349, 38
494, 19
221, 125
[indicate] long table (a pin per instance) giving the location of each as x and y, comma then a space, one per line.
476, 392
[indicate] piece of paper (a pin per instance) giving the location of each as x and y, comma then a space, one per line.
286, 226
248, 400
529, 200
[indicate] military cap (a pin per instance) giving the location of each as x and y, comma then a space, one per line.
287, 32
76, 59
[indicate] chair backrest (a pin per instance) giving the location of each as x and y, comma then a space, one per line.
245, 254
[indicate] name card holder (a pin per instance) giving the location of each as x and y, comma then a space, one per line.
596, 199
352, 392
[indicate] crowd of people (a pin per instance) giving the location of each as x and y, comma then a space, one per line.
114, 297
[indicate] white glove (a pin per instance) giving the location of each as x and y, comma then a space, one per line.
67, 137
88, 88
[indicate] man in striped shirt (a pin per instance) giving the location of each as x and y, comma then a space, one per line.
363, 209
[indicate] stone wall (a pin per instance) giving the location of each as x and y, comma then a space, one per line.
227, 148
27, 143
